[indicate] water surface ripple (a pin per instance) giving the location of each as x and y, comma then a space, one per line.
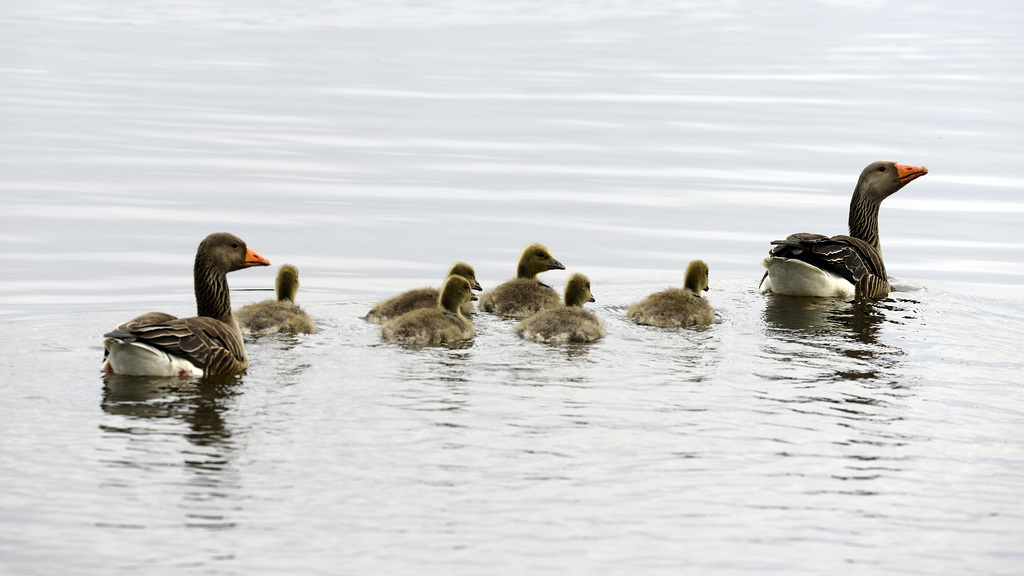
374, 144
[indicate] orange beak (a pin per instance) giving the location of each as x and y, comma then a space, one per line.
254, 259
908, 173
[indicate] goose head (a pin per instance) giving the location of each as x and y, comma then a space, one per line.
534, 259
287, 284
223, 252
577, 291
455, 292
217, 255
881, 179
696, 278
467, 272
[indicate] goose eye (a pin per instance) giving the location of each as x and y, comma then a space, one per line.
881, 168
234, 244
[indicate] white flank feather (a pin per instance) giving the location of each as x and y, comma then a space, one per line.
138, 359
798, 278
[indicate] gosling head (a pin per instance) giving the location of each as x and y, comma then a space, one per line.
467, 272
287, 284
455, 292
881, 179
536, 258
577, 291
696, 278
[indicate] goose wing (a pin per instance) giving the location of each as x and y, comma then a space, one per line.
210, 344
845, 256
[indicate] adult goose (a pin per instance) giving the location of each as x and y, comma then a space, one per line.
421, 298
210, 343
442, 324
842, 266
525, 295
569, 323
677, 307
282, 315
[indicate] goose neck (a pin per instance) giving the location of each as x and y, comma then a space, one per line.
212, 295
864, 220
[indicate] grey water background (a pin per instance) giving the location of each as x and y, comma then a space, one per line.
372, 145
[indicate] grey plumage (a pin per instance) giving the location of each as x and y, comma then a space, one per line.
857, 257
211, 340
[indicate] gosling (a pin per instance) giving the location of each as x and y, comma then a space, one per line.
277, 316
569, 323
442, 324
677, 307
421, 298
525, 295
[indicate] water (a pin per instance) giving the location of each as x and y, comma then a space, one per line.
374, 146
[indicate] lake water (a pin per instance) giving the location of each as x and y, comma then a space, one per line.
374, 144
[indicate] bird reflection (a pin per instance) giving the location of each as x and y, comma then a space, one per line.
451, 366
837, 326
147, 404
439, 386
198, 402
842, 373
574, 350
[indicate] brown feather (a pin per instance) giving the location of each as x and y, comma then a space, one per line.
845, 256
211, 340
856, 257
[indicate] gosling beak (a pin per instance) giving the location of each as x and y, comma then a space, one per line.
907, 173
592, 299
476, 286
472, 296
555, 265
254, 259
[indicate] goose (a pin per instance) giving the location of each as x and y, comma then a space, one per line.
682, 307
421, 298
524, 295
210, 343
568, 323
277, 316
846, 267
442, 324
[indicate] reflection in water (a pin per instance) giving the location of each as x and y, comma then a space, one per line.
198, 402
846, 382
677, 355
575, 350
438, 382
148, 405
812, 326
